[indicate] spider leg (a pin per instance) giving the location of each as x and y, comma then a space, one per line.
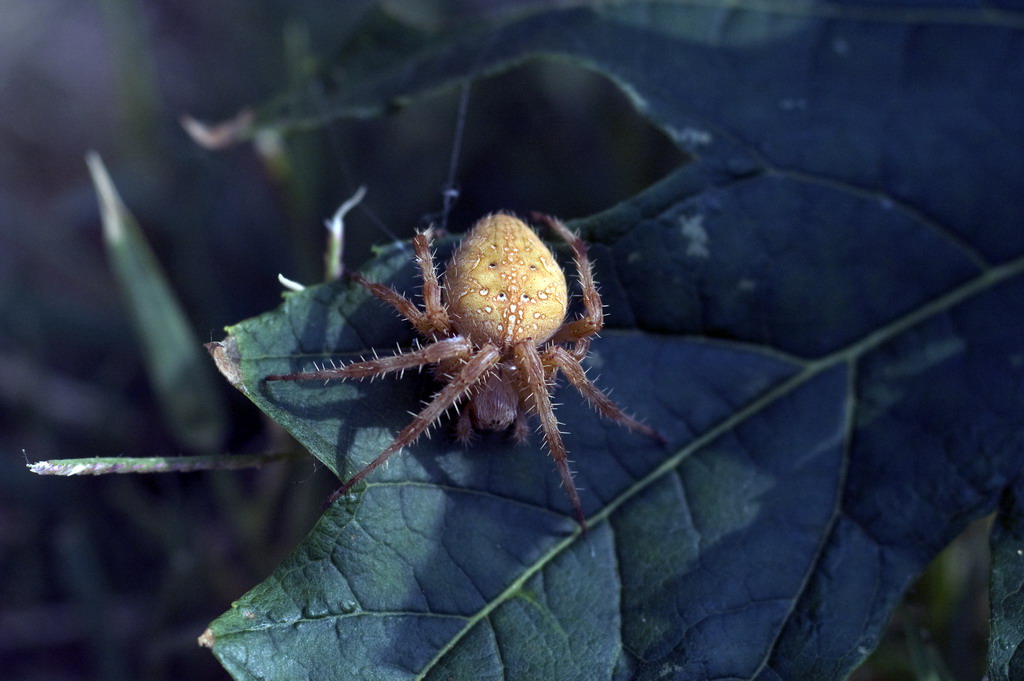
520, 428
435, 314
405, 307
446, 348
531, 368
432, 322
464, 428
593, 310
475, 368
570, 366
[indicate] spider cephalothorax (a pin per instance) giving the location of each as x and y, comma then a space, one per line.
498, 335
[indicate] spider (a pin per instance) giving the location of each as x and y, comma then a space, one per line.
498, 335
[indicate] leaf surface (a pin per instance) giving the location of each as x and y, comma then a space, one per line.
1006, 644
823, 312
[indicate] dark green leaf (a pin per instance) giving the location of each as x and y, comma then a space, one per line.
1006, 645
824, 314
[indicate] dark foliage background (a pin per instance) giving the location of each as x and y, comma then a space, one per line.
113, 578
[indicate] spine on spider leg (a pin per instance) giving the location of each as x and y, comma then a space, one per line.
529, 362
575, 242
595, 397
592, 320
446, 348
475, 367
435, 315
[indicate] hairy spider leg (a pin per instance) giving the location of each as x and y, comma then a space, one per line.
592, 320
433, 320
464, 428
405, 307
446, 348
471, 372
520, 428
595, 397
528, 362
434, 311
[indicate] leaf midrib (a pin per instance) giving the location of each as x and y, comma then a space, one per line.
988, 278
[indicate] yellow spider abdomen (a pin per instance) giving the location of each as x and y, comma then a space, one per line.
503, 285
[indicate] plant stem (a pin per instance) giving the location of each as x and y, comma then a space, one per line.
158, 464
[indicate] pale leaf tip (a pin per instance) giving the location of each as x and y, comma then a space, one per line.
218, 135
206, 639
228, 359
112, 209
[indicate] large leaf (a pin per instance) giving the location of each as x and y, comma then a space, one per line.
823, 312
1006, 645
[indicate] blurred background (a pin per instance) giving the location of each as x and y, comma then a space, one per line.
114, 577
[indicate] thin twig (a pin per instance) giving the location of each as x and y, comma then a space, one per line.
159, 464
